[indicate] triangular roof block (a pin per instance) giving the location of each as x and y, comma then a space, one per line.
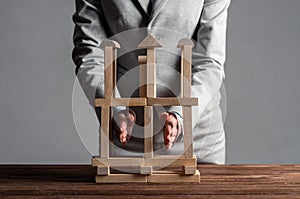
149, 42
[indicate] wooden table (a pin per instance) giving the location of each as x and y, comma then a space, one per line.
226, 181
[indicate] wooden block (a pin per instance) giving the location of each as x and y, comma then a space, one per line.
109, 43
172, 101
100, 102
146, 170
104, 171
149, 42
118, 162
174, 178
143, 75
171, 161
148, 132
142, 59
188, 136
151, 73
104, 132
108, 72
121, 178
185, 42
115, 73
186, 170
186, 65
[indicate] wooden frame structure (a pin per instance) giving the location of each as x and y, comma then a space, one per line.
146, 165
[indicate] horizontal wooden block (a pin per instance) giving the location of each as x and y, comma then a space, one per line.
121, 178
118, 162
146, 170
165, 161
189, 170
142, 59
102, 102
174, 178
172, 101
103, 171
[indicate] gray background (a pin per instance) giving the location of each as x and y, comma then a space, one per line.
37, 78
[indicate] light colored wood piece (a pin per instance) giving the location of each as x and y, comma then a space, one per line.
186, 69
148, 132
186, 170
186, 66
108, 72
104, 132
174, 178
171, 161
188, 136
143, 75
121, 178
100, 102
146, 170
109, 43
151, 73
115, 74
103, 171
149, 42
118, 162
185, 42
172, 101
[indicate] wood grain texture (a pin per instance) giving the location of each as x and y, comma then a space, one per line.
104, 132
217, 181
100, 102
172, 101
143, 75
188, 136
148, 132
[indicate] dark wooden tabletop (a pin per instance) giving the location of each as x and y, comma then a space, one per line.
217, 181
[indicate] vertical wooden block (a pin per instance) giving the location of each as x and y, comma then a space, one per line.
187, 71
188, 136
115, 73
151, 73
104, 134
148, 132
108, 72
143, 75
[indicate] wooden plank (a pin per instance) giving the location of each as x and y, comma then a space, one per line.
174, 178
143, 75
188, 136
186, 69
165, 161
148, 132
104, 132
172, 101
108, 72
118, 162
121, 178
151, 73
115, 73
100, 102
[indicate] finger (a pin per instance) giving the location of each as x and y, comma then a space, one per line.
163, 117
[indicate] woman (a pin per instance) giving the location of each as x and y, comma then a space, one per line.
128, 22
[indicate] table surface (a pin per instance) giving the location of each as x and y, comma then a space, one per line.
77, 181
